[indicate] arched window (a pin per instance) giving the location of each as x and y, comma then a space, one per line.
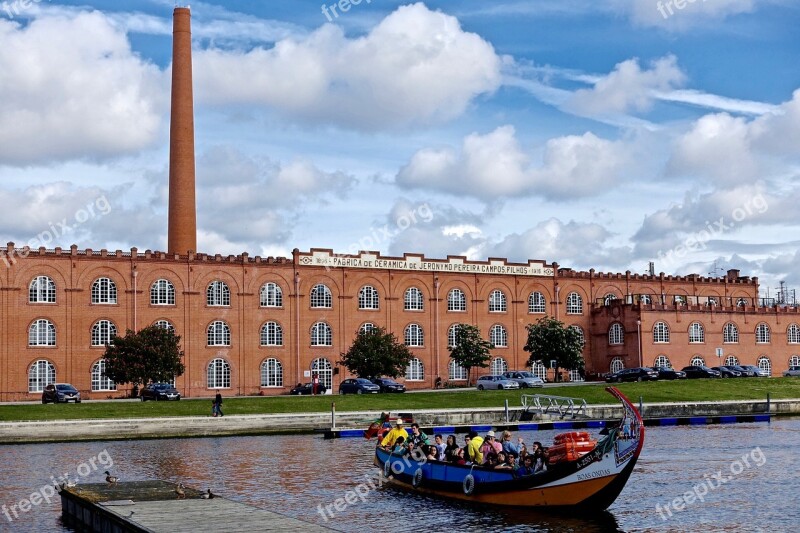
762, 333
697, 333
104, 291
456, 300
413, 300
680, 299
499, 365
731, 360
456, 372
42, 333
793, 334
497, 302
794, 360
218, 294
698, 361
765, 364
321, 296
415, 371
366, 327
741, 302
712, 301
164, 324
219, 374
321, 335
271, 334
162, 292
271, 295
414, 336
42, 290
451, 335
498, 336
616, 365
616, 334
608, 298
322, 368
536, 302
219, 334
102, 332
271, 373
41, 374
645, 299
662, 361
368, 297
99, 380
581, 336
730, 333
660, 332
539, 370
574, 304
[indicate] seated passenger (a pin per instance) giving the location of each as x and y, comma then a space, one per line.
441, 447
527, 468
432, 453
496, 445
491, 460
502, 462
397, 431
451, 450
539, 459
417, 437
400, 447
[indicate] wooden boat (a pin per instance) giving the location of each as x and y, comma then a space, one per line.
591, 482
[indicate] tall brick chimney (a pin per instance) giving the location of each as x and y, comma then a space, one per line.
182, 233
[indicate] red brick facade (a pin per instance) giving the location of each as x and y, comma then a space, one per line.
73, 315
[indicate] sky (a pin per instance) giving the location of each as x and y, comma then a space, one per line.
594, 134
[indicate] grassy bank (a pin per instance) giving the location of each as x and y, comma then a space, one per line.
662, 391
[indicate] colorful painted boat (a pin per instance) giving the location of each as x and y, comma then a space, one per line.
591, 482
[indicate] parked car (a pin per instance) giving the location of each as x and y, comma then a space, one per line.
727, 371
637, 373
697, 371
496, 382
358, 386
60, 393
389, 385
160, 392
524, 378
307, 388
793, 371
757, 372
669, 373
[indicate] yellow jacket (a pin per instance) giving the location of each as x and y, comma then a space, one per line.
390, 437
474, 450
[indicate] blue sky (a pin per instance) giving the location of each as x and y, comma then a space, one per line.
602, 134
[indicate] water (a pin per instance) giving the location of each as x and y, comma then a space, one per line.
294, 475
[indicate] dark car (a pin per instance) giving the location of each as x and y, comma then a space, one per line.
307, 388
60, 393
696, 371
727, 371
746, 371
358, 386
638, 373
757, 372
389, 385
669, 373
160, 392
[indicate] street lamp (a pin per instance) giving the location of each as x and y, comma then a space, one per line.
639, 339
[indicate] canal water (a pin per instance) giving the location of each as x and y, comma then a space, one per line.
739, 477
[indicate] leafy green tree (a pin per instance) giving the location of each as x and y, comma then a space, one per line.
470, 349
151, 354
376, 353
550, 339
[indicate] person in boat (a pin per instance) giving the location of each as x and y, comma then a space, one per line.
490, 461
539, 460
451, 450
527, 468
441, 447
417, 437
400, 446
509, 446
473, 452
490, 445
502, 462
397, 431
512, 462
432, 452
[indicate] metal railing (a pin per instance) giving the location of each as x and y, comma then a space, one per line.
552, 405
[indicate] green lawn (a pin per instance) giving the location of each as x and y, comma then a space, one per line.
661, 391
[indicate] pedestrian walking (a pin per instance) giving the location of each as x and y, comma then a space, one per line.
218, 405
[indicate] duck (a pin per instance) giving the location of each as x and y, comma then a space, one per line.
179, 491
208, 495
109, 478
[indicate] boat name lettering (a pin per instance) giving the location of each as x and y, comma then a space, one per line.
597, 473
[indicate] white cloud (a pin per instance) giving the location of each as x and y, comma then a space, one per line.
494, 166
416, 67
72, 88
666, 15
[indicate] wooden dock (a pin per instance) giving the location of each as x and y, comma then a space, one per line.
153, 507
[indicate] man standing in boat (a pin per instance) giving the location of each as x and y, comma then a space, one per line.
396, 431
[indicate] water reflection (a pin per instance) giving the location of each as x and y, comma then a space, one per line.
295, 475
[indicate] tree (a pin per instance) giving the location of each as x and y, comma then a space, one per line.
375, 353
550, 340
151, 354
470, 349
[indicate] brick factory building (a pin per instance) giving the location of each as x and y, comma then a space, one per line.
253, 325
